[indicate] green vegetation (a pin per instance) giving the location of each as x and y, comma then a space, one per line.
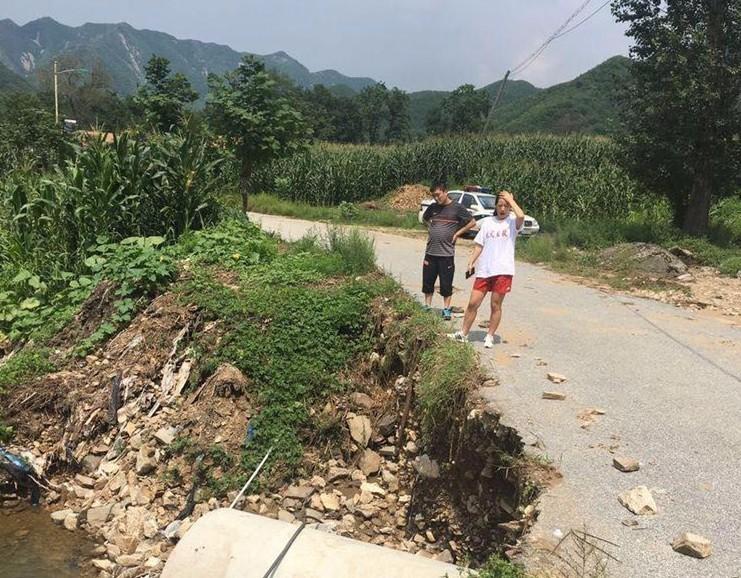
11, 82
164, 96
25, 365
298, 317
570, 177
345, 213
256, 121
496, 567
682, 111
587, 105
462, 111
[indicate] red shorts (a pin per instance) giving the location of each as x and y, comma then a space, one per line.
501, 284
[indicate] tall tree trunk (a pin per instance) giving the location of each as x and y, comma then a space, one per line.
697, 214
245, 174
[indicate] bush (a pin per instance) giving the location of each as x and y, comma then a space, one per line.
356, 249
497, 567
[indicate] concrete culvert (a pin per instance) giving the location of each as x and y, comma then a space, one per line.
231, 544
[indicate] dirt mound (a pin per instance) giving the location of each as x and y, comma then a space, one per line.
644, 258
409, 197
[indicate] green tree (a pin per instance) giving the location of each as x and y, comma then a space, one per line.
165, 96
463, 110
683, 102
259, 123
373, 104
397, 102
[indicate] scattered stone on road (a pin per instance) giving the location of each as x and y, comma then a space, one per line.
639, 501
556, 395
370, 462
166, 435
693, 545
556, 377
626, 464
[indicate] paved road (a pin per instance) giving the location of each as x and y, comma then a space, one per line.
668, 380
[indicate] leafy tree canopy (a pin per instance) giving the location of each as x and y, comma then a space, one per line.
165, 96
683, 104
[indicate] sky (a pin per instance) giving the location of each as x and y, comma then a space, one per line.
412, 44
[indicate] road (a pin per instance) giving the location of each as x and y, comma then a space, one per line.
667, 379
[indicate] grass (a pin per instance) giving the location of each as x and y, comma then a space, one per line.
24, 366
496, 567
346, 213
573, 246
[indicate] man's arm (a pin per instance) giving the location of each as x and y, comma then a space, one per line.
467, 227
519, 213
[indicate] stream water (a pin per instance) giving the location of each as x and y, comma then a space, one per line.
32, 546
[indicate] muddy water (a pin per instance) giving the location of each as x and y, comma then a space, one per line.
32, 546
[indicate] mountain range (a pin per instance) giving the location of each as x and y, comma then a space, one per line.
124, 51
586, 104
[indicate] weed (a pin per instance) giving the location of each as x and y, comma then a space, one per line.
24, 366
497, 567
356, 249
447, 373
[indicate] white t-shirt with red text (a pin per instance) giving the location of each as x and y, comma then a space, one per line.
497, 237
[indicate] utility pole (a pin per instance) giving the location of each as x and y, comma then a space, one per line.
496, 101
56, 95
56, 87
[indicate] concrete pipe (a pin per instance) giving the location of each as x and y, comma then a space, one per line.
232, 544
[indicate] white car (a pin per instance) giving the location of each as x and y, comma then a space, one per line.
481, 205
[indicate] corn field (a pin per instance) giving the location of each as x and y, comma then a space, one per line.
553, 176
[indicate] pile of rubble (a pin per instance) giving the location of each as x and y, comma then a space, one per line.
409, 197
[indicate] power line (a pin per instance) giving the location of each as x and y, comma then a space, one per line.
575, 26
530, 59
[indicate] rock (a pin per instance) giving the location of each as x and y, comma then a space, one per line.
370, 462
83, 493
153, 562
426, 467
109, 468
166, 435
639, 501
360, 428
372, 489
386, 424
183, 529
70, 522
90, 463
318, 482
99, 515
103, 564
172, 529
313, 515
685, 278
555, 395
136, 442
298, 492
330, 502
146, 461
362, 400
390, 480
387, 451
126, 544
692, 545
316, 503
60, 515
129, 560
285, 516
626, 464
430, 536
368, 511
644, 258
227, 381
445, 556
336, 473
85, 481
556, 377
411, 447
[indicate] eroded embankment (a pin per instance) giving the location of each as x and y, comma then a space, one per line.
137, 441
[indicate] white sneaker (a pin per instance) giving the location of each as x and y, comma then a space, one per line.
489, 341
458, 336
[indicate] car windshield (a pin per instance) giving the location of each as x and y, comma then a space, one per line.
488, 202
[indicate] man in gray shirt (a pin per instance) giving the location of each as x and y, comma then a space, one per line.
446, 221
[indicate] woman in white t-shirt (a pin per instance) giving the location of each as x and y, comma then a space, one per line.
495, 253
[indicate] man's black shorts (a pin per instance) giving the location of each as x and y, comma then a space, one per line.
434, 267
